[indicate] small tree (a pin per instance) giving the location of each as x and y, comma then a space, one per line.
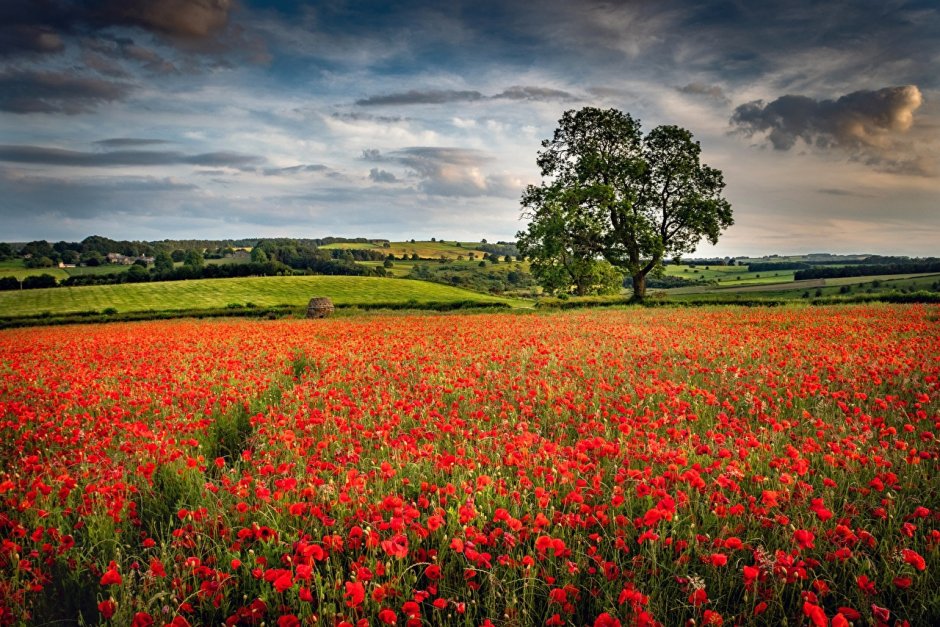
610, 192
162, 263
258, 255
194, 259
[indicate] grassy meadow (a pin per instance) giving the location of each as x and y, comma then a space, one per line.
424, 249
218, 293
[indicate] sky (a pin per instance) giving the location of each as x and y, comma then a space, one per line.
215, 119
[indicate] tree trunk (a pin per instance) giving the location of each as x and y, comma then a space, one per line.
639, 286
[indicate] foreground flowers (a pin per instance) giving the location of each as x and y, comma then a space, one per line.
724, 466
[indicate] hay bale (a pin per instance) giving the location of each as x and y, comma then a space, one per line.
319, 307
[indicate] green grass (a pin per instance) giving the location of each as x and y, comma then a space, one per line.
15, 268
217, 293
729, 275
104, 269
424, 249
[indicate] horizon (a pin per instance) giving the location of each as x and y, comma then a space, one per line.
465, 241
194, 120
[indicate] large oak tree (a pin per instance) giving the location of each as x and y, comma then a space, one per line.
608, 192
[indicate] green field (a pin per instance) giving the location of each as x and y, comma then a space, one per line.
876, 284
400, 268
15, 268
728, 275
217, 293
424, 249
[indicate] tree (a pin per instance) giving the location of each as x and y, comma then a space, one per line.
162, 263
194, 259
258, 255
37, 281
610, 193
560, 262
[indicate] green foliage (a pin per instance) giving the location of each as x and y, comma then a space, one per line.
162, 263
39, 281
609, 192
194, 259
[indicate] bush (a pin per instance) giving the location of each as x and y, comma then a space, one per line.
39, 281
9, 283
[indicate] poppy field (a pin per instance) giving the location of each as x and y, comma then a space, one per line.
633, 467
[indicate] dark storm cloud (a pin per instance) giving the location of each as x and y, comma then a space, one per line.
55, 92
381, 176
866, 121
39, 155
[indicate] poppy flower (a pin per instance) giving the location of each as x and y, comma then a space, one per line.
111, 576
355, 594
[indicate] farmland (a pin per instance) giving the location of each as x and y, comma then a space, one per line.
722, 465
217, 293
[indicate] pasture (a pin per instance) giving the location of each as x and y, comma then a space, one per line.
218, 293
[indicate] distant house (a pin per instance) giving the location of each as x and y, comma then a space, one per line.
62, 264
124, 260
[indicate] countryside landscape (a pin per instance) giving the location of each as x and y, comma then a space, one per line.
510, 314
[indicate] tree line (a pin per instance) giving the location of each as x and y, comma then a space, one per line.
929, 264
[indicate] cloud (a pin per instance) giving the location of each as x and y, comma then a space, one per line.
359, 116
28, 27
189, 19
54, 92
542, 94
82, 198
417, 97
446, 96
712, 92
295, 169
39, 155
124, 142
867, 125
381, 176
29, 38
450, 171
38, 26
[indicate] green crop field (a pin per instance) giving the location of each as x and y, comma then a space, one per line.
813, 287
400, 268
218, 293
16, 268
424, 249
